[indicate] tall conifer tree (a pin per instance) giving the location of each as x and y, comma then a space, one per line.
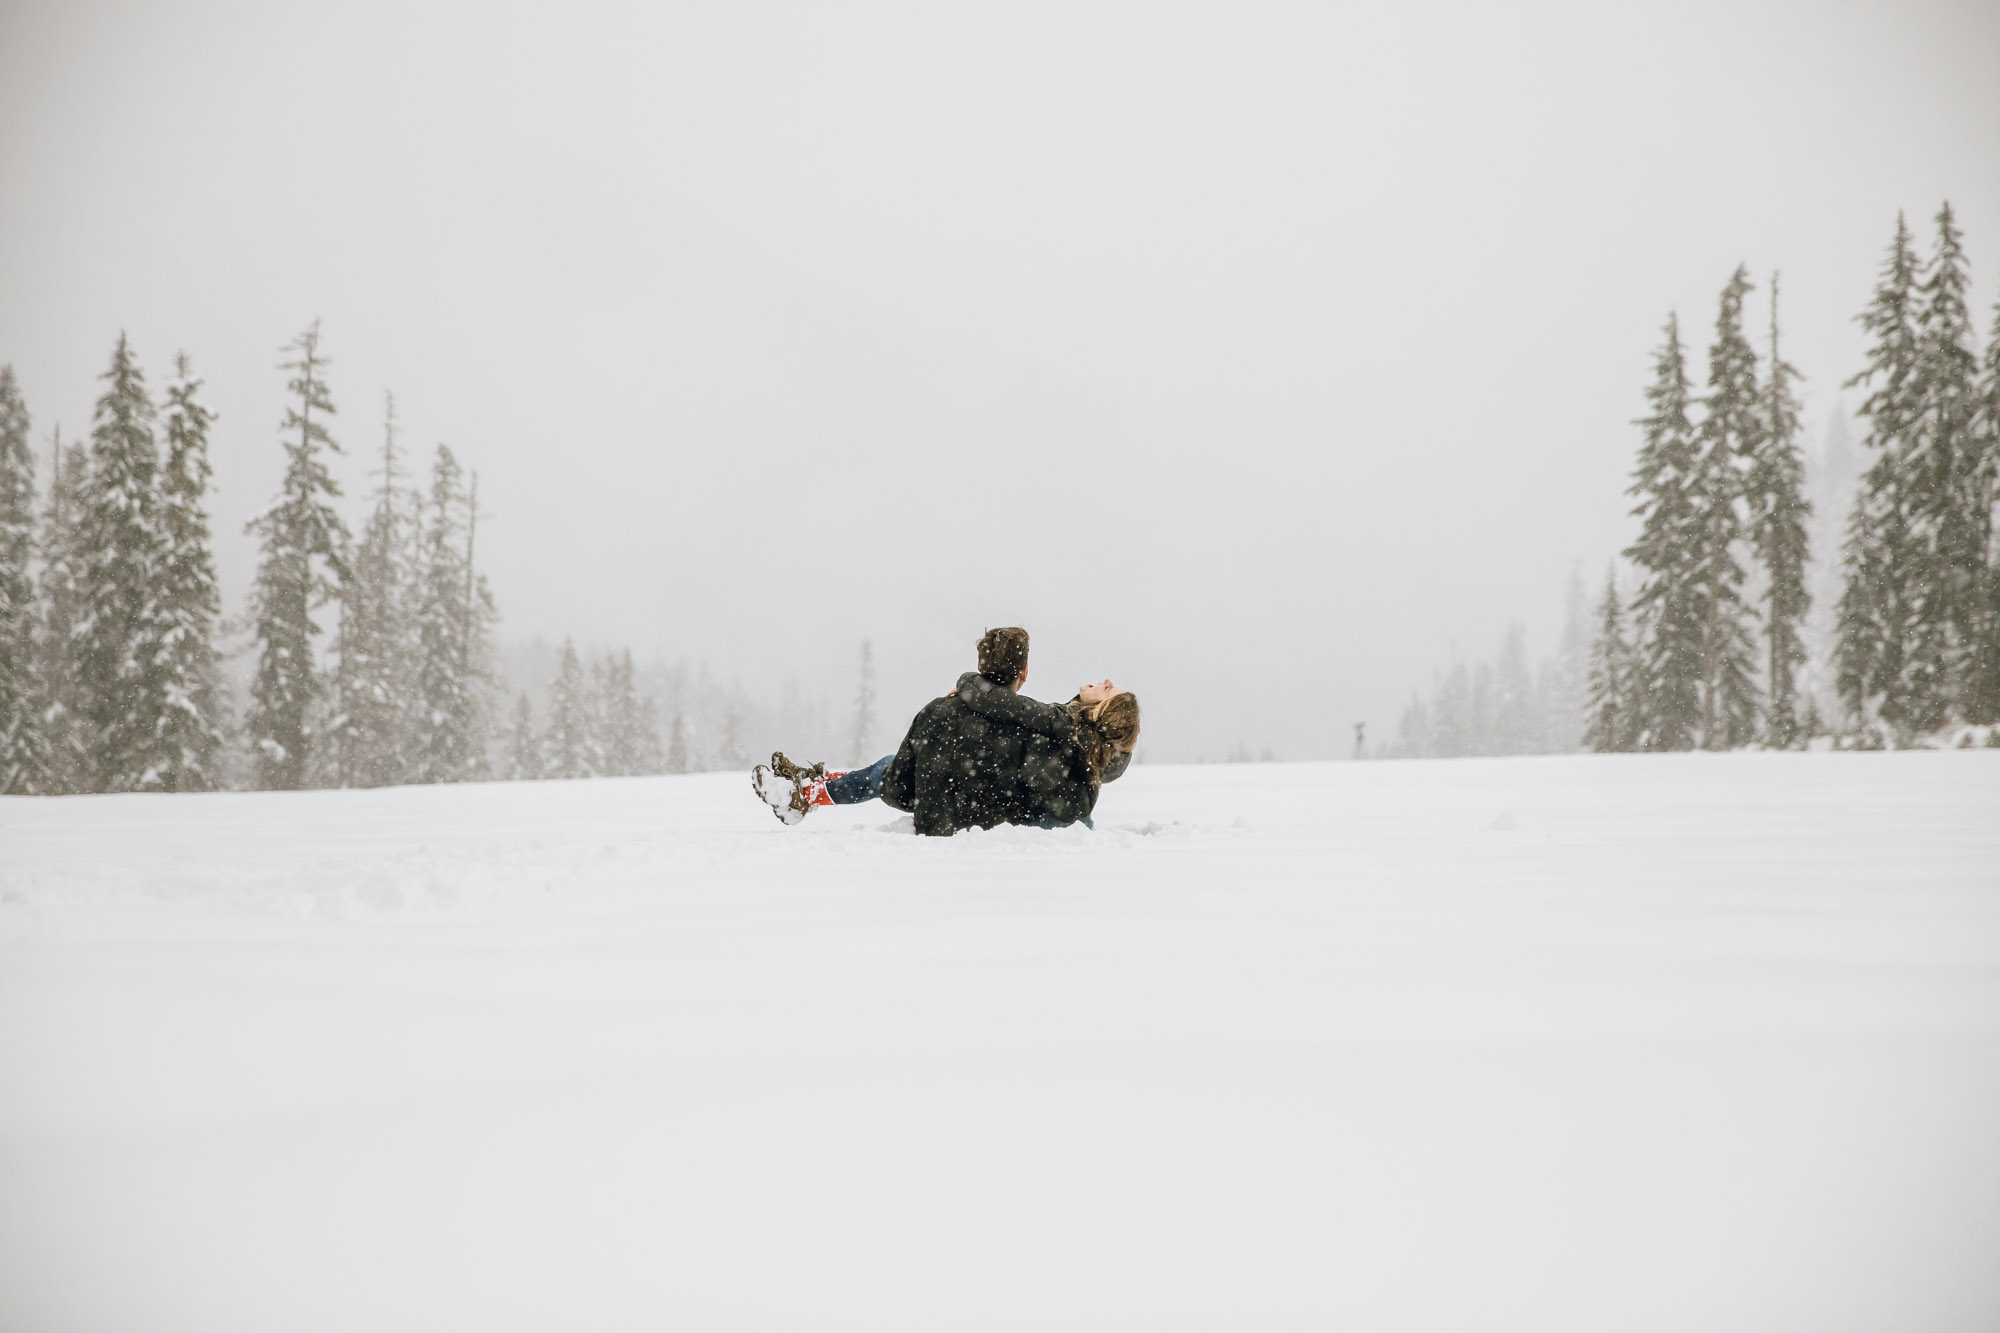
121, 649
303, 558
1882, 606
1726, 441
64, 727
524, 759
1612, 715
451, 623
187, 748
569, 749
1949, 523
1668, 553
23, 748
650, 757
376, 676
1778, 512
1979, 668
625, 723
678, 758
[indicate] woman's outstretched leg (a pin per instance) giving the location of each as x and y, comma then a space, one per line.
858, 785
793, 789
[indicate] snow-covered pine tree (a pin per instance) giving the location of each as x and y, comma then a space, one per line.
678, 760
188, 747
649, 757
1726, 442
1775, 488
1979, 667
1564, 682
595, 720
1413, 730
1613, 719
861, 746
1949, 524
303, 560
524, 759
1516, 726
621, 721
120, 635
24, 759
1668, 553
1880, 606
64, 729
453, 620
376, 678
481, 615
569, 750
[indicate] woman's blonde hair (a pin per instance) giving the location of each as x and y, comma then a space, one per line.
1105, 728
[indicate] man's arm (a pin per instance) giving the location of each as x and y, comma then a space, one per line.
1001, 704
1115, 766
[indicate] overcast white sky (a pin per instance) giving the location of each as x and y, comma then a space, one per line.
1257, 355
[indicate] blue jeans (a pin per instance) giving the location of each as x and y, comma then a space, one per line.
863, 784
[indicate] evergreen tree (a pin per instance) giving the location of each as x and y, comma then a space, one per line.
376, 679
621, 717
1882, 607
65, 732
678, 760
1515, 724
1727, 441
594, 719
1565, 680
121, 633
524, 760
862, 745
1614, 718
1778, 512
1669, 553
1979, 666
649, 758
453, 621
187, 749
569, 750
303, 546
1949, 521
23, 753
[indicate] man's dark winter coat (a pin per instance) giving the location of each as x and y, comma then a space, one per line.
985, 755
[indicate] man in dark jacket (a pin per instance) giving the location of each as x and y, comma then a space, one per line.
962, 761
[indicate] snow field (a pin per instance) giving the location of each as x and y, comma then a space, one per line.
1617, 1042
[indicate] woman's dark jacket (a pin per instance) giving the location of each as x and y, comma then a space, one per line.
985, 755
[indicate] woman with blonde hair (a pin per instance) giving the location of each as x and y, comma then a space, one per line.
1061, 774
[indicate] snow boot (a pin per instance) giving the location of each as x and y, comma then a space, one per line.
792, 772
790, 790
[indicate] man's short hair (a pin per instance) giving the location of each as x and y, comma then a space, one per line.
1003, 654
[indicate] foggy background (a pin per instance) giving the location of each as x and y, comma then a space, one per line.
1261, 357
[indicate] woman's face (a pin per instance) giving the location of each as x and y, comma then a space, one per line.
1098, 693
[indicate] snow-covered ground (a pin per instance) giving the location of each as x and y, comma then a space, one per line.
1590, 1043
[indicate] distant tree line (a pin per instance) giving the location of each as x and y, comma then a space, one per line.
1503, 707
1709, 652
110, 676
598, 726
